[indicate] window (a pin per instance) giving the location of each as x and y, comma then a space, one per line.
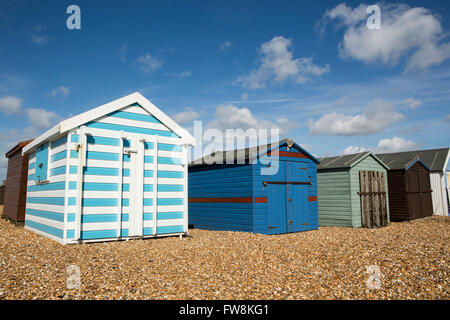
41, 166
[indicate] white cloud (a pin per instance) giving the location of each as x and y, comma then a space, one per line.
353, 149
227, 45
412, 103
232, 117
60, 91
411, 34
186, 116
37, 35
10, 105
278, 64
396, 144
41, 118
447, 118
148, 63
244, 96
375, 118
388, 145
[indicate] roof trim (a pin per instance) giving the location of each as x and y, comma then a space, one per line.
19, 146
413, 162
370, 153
90, 115
290, 143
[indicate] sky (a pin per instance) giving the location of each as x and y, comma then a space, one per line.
313, 70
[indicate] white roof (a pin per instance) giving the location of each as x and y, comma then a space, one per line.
76, 121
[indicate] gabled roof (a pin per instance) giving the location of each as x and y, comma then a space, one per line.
17, 147
435, 159
249, 154
106, 109
347, 161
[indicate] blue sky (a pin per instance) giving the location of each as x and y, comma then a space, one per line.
312, 69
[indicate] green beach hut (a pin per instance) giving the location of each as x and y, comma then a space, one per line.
352, 191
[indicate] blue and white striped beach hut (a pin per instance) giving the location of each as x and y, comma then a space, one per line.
118, 171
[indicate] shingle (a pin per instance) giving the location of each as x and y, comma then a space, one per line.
344, 161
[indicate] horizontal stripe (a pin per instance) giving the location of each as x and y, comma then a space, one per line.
170, 201
221, 200
169, 215
170, 187
99, 202
148, 202
59, 142
95, 186
31, 166
170, 174
116, 127
48, 186
31, 177
261, 200
32, 155
167, 160
169, 229
59, 201
169, 147
288, 154
46, 214
312, 198
59, 156
44, 228
100, 171
134, 116
102, 234
58, 171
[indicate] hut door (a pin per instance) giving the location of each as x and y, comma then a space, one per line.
135, 154
373, 199
276, 198
418, 192
297, 196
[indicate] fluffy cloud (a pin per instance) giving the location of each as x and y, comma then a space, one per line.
447, 118
388, 145
353, 149
396, 144
41, 118
60, 91
186, 116
10, 105
376, 117
227, 45
412, 103
278, 64
148, 63
232, 117
412, 33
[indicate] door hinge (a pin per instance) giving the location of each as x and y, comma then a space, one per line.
271, 227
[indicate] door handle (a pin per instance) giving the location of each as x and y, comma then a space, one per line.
290, 199
290, 222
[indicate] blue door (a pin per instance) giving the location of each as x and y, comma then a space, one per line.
297, 196
276, 201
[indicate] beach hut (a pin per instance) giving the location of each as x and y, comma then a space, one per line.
352, 191
270, 189
437, 161
15, 190
409, 190
118, 171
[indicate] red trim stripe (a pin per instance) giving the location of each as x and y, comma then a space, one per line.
261, 200
228, 200
312, 199
288, 154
